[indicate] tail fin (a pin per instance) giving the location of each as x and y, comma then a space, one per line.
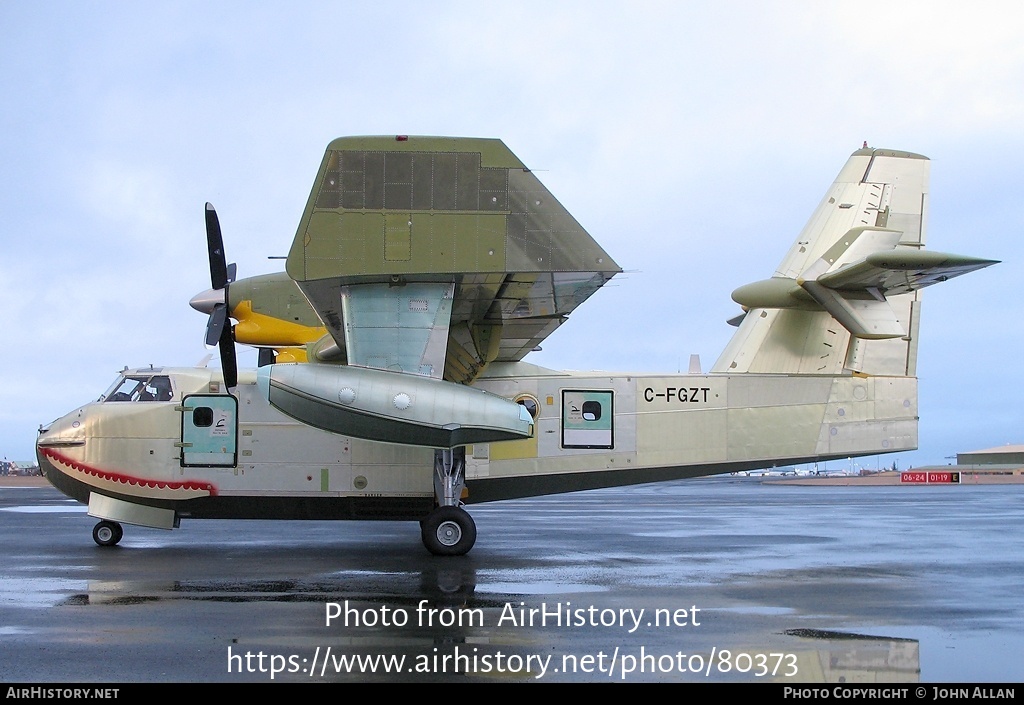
846, 298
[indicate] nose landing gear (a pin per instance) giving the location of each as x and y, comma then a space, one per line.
107, 533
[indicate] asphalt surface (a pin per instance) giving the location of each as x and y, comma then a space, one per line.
737, 580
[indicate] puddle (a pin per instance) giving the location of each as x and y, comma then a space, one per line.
536, 588
37, 592
48, 509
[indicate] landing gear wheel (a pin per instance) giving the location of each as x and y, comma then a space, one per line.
449, 531
107, 533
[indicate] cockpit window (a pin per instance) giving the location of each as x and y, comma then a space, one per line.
140, 388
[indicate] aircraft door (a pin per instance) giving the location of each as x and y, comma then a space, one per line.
209, 431
587, 419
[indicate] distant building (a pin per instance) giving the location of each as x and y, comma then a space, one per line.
19, 467
1008, 455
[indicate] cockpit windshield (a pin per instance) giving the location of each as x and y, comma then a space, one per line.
140, 388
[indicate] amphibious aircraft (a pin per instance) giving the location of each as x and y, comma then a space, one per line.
392, 380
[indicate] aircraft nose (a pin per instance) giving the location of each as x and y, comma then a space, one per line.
206, 300
44, 437
65, 432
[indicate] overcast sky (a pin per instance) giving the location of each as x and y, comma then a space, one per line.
692, 139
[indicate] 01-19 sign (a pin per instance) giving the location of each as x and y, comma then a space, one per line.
930, 478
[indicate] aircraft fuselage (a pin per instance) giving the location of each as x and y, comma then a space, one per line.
590, 430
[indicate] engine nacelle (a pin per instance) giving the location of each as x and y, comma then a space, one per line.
392, 407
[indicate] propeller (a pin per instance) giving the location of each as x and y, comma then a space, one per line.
218, 330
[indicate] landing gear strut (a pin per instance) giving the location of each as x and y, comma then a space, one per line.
449, 530
107, 533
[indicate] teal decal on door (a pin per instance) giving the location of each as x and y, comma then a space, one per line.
587, 419
209, 431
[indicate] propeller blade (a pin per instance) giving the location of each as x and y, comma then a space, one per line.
215, 326
228, 361
215, 246
218, 330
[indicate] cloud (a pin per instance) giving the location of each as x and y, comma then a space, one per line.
692, 139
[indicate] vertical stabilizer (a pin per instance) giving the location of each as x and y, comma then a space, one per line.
814, 316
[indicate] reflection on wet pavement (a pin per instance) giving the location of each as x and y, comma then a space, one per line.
847, 584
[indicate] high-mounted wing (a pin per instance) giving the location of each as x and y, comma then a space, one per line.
436, 256
417, 262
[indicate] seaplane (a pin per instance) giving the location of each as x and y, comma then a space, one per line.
393, 382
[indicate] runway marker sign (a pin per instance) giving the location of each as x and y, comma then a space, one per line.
930, 478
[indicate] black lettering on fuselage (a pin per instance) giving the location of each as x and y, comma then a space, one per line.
685, 395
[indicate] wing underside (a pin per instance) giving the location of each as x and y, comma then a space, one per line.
438, 256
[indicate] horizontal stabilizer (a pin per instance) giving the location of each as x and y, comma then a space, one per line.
854, 280
901, 271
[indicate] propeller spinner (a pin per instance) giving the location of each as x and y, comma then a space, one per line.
215, 300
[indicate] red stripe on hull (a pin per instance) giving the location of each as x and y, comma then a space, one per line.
128, 479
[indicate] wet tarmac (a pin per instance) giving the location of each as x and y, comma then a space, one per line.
704, 580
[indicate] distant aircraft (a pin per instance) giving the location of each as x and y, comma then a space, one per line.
393, 383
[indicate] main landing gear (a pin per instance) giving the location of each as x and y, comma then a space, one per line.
449, 530
107, 533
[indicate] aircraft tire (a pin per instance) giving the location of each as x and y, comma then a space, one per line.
107, 533
449, 531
